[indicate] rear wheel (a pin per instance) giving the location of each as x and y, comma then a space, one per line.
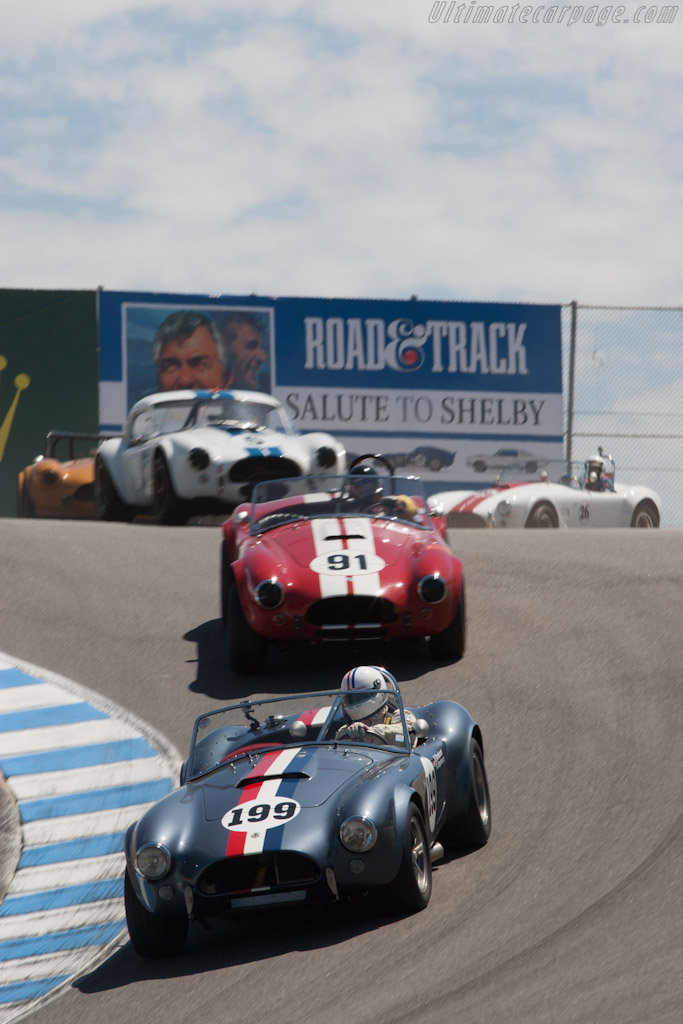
411, 889
474, 827
169, 509
246, 649
108, 504
543, 517
645, 516
450, 642
152, 936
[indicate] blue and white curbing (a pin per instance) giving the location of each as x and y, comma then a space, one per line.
81, 769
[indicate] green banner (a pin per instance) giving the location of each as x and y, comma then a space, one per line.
48, 375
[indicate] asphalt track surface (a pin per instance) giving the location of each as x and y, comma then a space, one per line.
573, 670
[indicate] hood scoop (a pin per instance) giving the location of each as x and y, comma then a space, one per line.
249, 780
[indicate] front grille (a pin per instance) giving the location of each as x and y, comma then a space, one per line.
351, 610
465, 521
263, 467
273, 870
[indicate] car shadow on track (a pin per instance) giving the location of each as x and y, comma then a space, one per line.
249, 940
292, 668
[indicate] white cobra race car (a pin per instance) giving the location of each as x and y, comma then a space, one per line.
185, 453
591, 499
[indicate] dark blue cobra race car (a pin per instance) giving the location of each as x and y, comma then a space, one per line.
278, 806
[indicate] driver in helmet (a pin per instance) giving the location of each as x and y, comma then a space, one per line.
597, 474
372, 716
593, 470
364, 488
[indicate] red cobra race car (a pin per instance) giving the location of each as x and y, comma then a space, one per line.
312, 559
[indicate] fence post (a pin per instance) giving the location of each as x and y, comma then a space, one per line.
570, 395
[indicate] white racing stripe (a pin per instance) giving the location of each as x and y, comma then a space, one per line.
350, 536
81, 770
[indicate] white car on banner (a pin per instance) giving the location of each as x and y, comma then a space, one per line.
187, 452
589, 499
507, 458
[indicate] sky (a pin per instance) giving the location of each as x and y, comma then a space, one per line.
377, 149
342, 149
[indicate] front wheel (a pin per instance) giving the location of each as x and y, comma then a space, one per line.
246, 649
543, 517
645, 516
450, 642
25, 507
227, 582
411, 889
169, 509
152, 936
108, 504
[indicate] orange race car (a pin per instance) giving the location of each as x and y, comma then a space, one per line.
61, 487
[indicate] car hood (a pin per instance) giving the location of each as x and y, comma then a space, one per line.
219, 439
309, 775
308, 541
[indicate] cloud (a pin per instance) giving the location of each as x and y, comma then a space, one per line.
348, 149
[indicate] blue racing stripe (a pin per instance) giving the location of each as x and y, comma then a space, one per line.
94, 800
76, 757
54, 899
57, 942
15, 677
22, 990
275, 451
72, 849
62, 714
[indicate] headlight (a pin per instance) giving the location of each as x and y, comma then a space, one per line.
326, 457
49, 477
269, 593
503, 508
198, 458
153, 861
432, 589
358, 834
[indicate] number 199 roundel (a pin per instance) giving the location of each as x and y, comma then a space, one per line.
316, 559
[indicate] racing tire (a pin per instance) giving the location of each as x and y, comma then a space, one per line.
227, 582
645, 515
25, 507
168, 508
108, 504
450, 642
411, 889
472, 830
246, 649
543, 517
152, 936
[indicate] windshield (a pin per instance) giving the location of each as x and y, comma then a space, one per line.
226, 413
398, 498
252, 728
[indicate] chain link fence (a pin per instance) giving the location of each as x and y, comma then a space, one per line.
623, 388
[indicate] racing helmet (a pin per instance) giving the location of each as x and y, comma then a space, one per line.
359, 686
365, 483
594, 468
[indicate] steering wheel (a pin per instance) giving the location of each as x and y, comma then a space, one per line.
378, 458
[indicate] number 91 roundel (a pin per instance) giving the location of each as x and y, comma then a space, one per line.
245, 817
351, 563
